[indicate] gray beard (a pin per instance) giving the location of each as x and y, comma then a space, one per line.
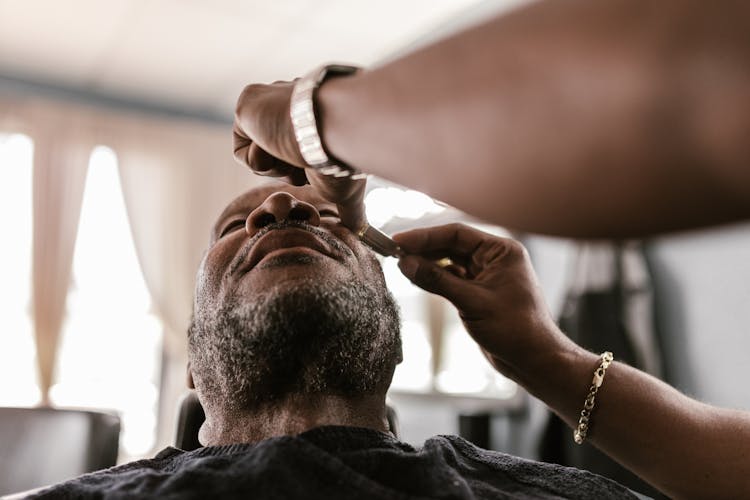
319, 338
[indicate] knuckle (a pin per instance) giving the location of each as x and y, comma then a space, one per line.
252, 90
430, 276
516, 249
456, 228
248, 94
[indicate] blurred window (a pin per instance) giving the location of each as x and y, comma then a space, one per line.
111, 342
17, 352
415, 373
427, 321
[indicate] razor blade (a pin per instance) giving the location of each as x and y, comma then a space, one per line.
379, 241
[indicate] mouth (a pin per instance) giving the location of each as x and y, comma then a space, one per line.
278, 243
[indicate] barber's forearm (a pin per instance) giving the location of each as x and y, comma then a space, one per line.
683, 447
539, 119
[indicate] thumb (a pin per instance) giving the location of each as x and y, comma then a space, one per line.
430, 276
352, 215
347, 193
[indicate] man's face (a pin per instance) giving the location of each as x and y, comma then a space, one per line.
288, 300
278, 235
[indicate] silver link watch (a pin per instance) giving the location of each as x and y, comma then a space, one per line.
302, 112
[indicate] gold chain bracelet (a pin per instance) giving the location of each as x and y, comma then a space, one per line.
579, 434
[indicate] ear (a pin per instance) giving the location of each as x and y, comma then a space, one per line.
190, 382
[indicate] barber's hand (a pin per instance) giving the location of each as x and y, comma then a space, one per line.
263, 134
493, 286
264, 141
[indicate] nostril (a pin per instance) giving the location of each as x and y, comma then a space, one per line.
299, 213
264, 219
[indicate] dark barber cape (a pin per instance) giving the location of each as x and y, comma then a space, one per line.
338, 462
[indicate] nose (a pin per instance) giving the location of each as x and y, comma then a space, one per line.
278, 207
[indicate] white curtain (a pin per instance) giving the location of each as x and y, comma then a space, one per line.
176, 177
60, 162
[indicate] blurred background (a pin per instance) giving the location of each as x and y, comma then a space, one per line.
115, 157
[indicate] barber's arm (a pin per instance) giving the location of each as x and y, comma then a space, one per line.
627, 117
683, 447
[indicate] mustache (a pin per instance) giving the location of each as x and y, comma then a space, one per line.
331, 240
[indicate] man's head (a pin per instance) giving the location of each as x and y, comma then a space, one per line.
289, 302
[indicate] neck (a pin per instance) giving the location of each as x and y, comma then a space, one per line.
292, 415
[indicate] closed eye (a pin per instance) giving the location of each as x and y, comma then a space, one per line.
232, 226
328, 213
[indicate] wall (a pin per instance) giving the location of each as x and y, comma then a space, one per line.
702, 282
702, 297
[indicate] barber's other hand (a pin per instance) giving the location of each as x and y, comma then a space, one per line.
264, 141
263, 134
493, 286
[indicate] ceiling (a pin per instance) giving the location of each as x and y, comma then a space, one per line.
193, 55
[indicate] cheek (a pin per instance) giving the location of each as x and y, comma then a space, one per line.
370, 265
204, 288
211, 271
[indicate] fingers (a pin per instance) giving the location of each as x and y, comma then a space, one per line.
249, 154
473, 253
348, 194
240, 145
296, 177
430, 276
352, 215
263, 163
262, 117
456, 240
